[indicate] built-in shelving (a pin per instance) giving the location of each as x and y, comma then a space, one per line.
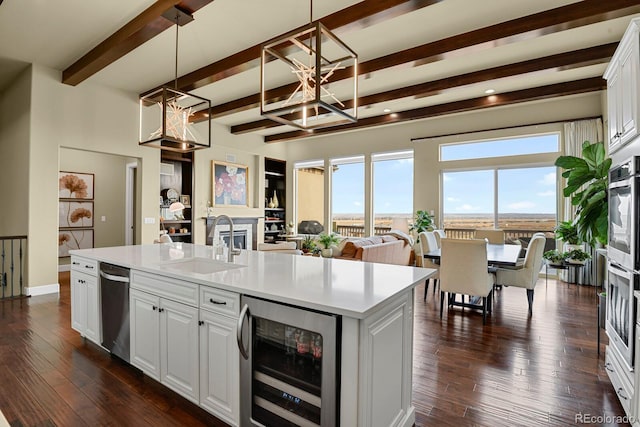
275, 188
180, 180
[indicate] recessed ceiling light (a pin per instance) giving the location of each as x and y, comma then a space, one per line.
386, 110
489, 91
393, 115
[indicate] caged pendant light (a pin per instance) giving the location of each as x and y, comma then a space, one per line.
321, 69
166, 113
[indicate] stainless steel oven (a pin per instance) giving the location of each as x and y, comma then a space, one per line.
621, 314
289, 366
623, 214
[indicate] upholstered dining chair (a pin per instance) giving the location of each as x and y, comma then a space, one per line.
525, 274
427, 244
463, 270
440, 234
493, 236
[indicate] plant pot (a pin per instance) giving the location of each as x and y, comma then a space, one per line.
327, 252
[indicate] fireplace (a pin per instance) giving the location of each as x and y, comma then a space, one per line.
245, 232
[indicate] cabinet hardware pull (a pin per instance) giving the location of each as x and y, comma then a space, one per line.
243, 314
76, 263
201, 322
160, 310
607, 367
620, 393
153, 307
90, 267
213, 301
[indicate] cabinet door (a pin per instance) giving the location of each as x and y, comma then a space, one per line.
179, 348
628, 95
145, 332
93, 330
219, 369
79, 301
613, 108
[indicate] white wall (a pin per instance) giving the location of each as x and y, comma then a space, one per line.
15, 118
87, 117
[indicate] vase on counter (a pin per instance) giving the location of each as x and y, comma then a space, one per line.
327, 252
275, 199
271, 204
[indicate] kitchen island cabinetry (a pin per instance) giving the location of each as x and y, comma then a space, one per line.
185, 308
85, 299
164, 335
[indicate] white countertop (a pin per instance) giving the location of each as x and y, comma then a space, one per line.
349, 288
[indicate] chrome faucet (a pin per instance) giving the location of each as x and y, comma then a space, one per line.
232, 250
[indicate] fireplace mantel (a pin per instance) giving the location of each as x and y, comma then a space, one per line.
252, 221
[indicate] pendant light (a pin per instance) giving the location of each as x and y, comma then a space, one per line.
320, 69
166, 114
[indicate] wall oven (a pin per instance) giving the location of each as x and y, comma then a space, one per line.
289, 368
621, 314
623, 214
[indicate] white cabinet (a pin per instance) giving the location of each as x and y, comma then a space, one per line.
622, 89
164, 340
85, 298
219, 355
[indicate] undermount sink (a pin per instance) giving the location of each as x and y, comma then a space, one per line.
199, 265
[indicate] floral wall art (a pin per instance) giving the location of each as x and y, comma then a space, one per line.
75, 211
229, 183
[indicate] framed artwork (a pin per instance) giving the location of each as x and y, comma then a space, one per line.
75, 214
229, 183
185, 200
74, 185
74, 239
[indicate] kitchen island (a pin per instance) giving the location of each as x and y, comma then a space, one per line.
193, 348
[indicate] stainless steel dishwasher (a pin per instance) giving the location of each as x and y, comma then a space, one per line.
114, 292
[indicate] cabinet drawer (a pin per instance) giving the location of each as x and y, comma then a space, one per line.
620, 380
165, 287
89, 266
219, 301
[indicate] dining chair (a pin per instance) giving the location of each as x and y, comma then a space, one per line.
493, 235
463, 270
428, 243
525, 275
440, 234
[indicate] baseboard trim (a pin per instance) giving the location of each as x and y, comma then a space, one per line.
42, 290
64, 267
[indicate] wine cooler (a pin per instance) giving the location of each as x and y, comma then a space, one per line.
289, 365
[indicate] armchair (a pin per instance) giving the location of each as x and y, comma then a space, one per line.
526, 274
463, 270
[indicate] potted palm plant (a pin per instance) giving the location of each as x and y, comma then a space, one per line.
327, 240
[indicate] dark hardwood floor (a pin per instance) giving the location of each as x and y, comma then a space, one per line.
513, 371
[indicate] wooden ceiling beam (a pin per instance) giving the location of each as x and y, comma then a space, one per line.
529, 27
534, 94
559, 62
357, 16
136, 32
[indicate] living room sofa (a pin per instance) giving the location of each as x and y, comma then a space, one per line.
390, 248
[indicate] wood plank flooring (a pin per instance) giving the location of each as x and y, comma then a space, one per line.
514, 371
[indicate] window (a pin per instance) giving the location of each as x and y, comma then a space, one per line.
347, 196
525, 201
309, 194
548, 143
392, 191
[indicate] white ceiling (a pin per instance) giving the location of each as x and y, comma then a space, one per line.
56, 33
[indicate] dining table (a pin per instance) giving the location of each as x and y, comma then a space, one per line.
498, 255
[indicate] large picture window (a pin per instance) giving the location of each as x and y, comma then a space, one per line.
520, 201
545, 143
347, 196
392, 191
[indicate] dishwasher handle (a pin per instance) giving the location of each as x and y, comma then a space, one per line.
123, 279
